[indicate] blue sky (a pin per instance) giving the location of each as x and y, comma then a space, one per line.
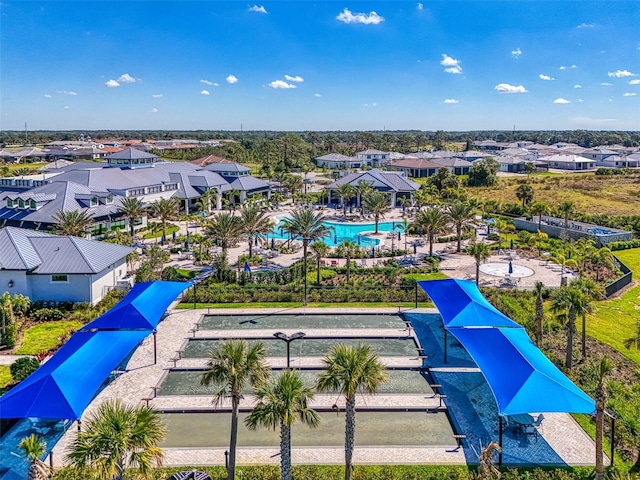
306, 65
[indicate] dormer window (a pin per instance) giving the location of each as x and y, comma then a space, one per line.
94, 201
109, 199
32, 204
20, 203
9, 203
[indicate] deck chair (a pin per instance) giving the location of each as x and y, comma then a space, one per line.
537, 423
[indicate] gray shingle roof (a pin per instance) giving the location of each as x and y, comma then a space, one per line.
249, 183
226, 167
130, 154
378, 178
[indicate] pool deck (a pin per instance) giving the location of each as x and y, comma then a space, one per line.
568, 442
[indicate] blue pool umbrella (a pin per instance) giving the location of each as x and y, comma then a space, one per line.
162, 240
398, 235
173, 236
358, 239
373, 252
335, 240
511, 244
273, 243
255, 242
393, 225
187, 232
186, 244
415, 248
510, 267
247, 267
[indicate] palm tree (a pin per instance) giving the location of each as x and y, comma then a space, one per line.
377, 203
165, 209
364, 188
540, 238
460, 213
634, 341
117, 436
432, 221
320, 249
594, 291
132, 208
539, 291
224, 228
232, 365
569, 302
601, 369
525, 193
74, 223
566, 208
283, 402
309, 227
33, 448
539, 209
255, 225
348, 250
345, 192
206, 200
565, 263
481, 252
350, 370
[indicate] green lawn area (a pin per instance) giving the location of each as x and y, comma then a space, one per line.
425, 276
615, 320
187, 306
30, 166
170, 229
5, 377
45, 336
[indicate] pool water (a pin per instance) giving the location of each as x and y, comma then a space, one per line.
279, 321
210, 430
187, 382
309, 347
355, 232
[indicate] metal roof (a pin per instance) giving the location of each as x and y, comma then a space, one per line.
130, 154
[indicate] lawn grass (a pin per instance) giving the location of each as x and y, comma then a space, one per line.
187, 306
425, 276
170, 229
590, 428
614, 321
5, 377
45, 336
31, 166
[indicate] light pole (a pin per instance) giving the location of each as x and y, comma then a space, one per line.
288, 339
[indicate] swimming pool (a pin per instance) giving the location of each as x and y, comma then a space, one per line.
355, 232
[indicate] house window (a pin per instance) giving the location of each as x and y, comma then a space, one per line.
20, 203
9, 203
60, 278
94, 201
109, 199
32, 204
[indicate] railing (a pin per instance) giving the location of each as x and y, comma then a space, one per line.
620, 282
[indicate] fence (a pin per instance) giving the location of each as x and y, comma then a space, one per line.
620, 282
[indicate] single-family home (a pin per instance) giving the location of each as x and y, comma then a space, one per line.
373, 158
415, 167
395, 184
337, 160
569, 162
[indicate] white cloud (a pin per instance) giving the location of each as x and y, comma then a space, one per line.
46, 95
317, 95
297, 78
580, 100
621, 74
577, 85
516, 53
634, 82
65, 92
371, 19
563, 67
157, 95
606, 84
258, 9
450, 100
126, 78
208, 82
111, 83
66, 107
205, 92
420, 6
592, 121
586, 25
453, 65
506, 88
370, 105
542, 76
630, 94
154, 110
231, 79
281, 84
561, 100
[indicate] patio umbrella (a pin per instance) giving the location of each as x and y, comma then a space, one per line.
373, 252
273, 243
335, 240
511, 244
510, 267
358, 239
398, 235
162, 241
415, 248
173, 236
186, 244
247, 267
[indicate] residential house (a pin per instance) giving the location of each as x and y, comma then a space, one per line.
569, 162
415, 167
456, 165
395, 184
373, 158
337, 161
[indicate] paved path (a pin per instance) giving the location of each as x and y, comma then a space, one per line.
9, 359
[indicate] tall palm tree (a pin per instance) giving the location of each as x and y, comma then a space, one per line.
594, 291
165, 209
309, 227
525, 193
539, 209
460, 212
348, 250
634, 341
364, 188
344, 192
321, 249
350, 370
224, 228
539, 291
206, 201
281, 403
33, 448
569, 303
74, 223
255, 225
132, 208
566, 208
377, 203
232, 365
432, 221
117, 436
601, 370
481, 252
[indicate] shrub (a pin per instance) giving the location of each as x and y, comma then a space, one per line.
23, 367
47, 315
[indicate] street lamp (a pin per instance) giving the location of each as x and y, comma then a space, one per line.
288, 339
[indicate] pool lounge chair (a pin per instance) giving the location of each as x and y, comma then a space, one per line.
190, 474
